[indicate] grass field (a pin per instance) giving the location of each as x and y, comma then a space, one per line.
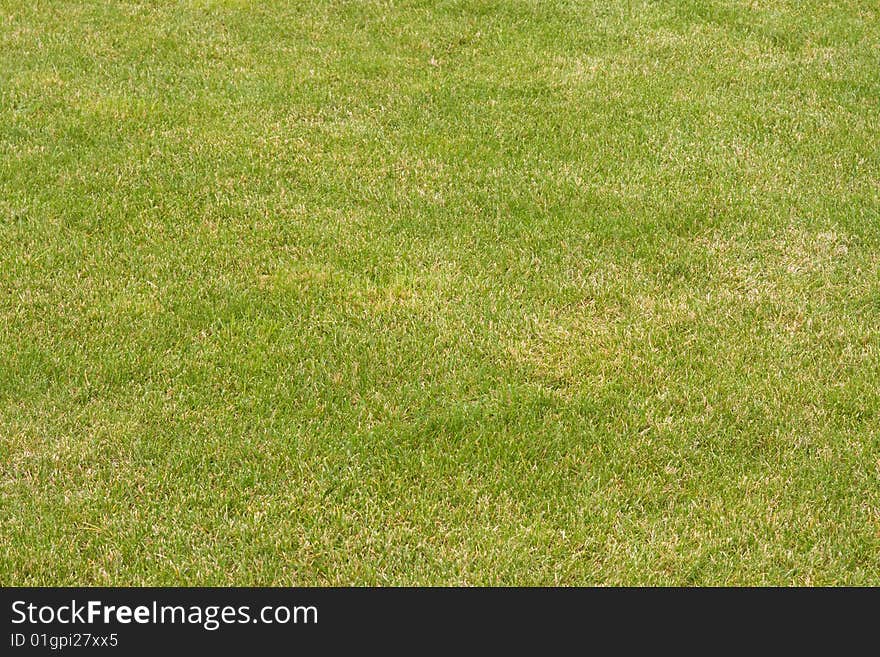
440, 292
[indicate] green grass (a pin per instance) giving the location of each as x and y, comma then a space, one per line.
440, 292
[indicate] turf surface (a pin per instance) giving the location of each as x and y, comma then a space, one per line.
440, 292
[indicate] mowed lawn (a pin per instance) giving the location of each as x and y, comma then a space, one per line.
440, 292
